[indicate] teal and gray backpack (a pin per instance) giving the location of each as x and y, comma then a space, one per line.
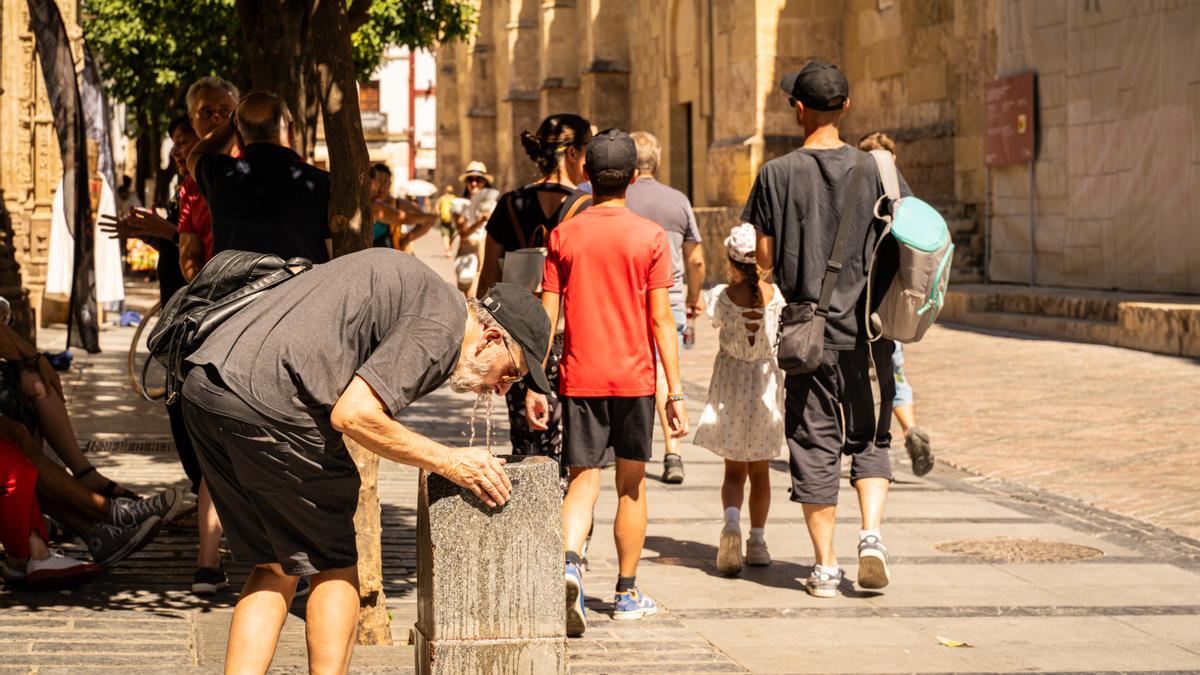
918, 291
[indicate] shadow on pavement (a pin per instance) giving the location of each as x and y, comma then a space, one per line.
703, 557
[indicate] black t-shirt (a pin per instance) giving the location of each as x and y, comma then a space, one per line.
380, 314
797, 199
266, 201
170, 276
529, 212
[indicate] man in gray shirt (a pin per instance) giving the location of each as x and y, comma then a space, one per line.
341, 349
672, 210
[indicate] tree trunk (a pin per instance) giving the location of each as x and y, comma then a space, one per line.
278, 48
350, 224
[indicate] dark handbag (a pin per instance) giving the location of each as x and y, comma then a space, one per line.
802, 324
229, 282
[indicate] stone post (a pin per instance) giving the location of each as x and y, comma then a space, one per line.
490, 581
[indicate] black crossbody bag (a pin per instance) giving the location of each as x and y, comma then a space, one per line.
802, 324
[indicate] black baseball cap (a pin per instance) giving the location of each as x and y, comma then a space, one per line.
611, 149
819, 86
521, 314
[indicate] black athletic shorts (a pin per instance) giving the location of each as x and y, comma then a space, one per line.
285, 494
597, 429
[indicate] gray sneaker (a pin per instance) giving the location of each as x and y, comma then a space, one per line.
166, 505
110, 544
672, 469
919, 451
823, 584
757, 553
872, 563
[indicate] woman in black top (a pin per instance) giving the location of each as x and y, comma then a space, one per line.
523, 219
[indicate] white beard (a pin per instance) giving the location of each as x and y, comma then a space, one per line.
471, 371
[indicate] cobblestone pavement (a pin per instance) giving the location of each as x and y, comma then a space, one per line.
997, 407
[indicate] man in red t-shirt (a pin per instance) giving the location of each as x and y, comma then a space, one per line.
611, 272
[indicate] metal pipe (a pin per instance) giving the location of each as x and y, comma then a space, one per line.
1032, 228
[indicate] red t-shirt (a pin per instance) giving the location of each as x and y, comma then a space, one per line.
604, 262
194, 216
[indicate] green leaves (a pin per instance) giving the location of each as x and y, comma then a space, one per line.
149, 51
410, 23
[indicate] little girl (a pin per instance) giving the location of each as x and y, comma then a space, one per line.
743, 419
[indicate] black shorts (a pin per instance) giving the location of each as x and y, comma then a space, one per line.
284, 493
817, 405
597, 429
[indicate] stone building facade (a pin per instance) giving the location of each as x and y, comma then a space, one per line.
30, 166
1118, 111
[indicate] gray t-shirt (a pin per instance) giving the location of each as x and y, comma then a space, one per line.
797, 199
671, 209
380, 314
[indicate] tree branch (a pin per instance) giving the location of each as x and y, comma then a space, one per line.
358, 14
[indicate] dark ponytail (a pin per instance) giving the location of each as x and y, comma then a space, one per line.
750, 271
555, 134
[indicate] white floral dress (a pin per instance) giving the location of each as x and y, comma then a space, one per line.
743, 419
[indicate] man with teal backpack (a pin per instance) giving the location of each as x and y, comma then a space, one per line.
814, 210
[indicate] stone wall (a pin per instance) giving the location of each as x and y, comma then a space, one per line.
30, 166
1119, 112
1117, 175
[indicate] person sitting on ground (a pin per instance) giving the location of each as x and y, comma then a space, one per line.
112, 528
916, 440
524, 219
743, 419
23, 531
609, 271
210, 102
46, 404
269, 399
268, 200
399, 223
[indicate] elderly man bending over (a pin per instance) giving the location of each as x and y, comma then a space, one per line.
342, 349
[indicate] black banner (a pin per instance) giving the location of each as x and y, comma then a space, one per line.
58, 69
96, 117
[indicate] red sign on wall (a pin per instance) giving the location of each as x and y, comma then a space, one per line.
1009, 120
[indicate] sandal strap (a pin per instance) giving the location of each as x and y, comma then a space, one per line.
84, 472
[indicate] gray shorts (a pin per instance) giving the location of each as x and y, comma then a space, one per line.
285, 494
816, 404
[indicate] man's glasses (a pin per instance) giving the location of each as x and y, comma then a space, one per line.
511, 379
214, 113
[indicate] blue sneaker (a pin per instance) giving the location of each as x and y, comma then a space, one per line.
576, 615
632, 605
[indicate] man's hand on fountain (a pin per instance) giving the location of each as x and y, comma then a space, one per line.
481, 472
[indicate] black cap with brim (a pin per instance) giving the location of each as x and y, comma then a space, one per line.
520, 313
819, 86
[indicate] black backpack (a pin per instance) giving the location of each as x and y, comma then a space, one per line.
229, 282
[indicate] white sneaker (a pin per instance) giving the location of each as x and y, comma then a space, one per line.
729, 552
59, 571
757, 553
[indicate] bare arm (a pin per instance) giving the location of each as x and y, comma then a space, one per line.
216, 143
360, 415
490, 272
537, 407
666, 337
693, 254
765, 252
191, 254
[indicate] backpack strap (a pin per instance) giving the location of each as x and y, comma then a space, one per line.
891, 192
516, 222
833, 266
576, 207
